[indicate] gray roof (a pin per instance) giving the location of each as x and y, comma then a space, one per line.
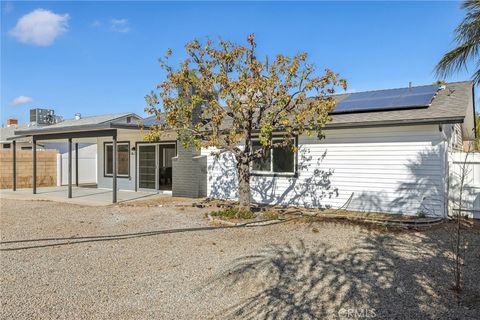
448, 106
8, 132
83, 124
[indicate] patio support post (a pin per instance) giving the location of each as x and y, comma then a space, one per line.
76, 164
14, 165
114, 168
69, 167
34, 164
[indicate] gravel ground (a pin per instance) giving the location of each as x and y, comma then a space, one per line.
168, 263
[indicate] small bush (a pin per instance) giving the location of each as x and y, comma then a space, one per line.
233, 213
270, 215
421, 214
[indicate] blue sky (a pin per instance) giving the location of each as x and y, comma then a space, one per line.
102, 57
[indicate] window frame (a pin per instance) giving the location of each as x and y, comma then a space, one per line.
110, 143
272, 173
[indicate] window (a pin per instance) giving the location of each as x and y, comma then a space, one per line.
6, 146
279, 160
123, 159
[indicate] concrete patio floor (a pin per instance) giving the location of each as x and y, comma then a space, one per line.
89, 196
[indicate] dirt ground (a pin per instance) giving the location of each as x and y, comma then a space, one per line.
63, 261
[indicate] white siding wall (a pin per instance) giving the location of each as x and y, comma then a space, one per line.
391, 169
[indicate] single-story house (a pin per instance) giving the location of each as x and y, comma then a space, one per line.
383, 151
84, 151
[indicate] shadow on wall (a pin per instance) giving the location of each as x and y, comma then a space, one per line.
309, 189
382, 275
224, 182
420, 192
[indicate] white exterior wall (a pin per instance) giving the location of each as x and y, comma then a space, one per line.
123, 183
390, 169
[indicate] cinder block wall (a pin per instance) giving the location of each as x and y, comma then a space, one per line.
189, 173
46, 168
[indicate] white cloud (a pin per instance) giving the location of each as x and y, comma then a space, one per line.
40, 27
119, 25
21, 100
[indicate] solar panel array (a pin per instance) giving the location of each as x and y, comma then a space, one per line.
393, 99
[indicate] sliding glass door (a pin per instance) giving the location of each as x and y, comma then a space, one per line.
165, 154
154, 166
147, 166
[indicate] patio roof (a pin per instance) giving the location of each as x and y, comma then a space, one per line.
89, 127
78, 128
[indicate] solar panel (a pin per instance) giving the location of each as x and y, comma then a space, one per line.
403, 98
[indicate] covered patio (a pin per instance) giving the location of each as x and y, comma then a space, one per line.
73, 134
83, 195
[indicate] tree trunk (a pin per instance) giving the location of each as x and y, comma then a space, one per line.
243, 170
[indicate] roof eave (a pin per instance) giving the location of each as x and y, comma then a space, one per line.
393, 123
46, 130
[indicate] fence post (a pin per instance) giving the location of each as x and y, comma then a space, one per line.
14, 163
34, 169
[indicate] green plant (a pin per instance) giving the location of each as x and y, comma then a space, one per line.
233, 213
270, 215
421, 214
467, 39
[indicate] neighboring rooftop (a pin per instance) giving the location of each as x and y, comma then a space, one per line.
8, 132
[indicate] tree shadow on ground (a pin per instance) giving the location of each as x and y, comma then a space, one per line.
383, 275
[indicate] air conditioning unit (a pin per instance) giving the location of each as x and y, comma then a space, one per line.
43, 117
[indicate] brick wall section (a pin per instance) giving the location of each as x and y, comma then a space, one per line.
189, 173
46, 168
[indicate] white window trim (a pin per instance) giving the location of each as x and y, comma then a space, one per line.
271, 172
105, 159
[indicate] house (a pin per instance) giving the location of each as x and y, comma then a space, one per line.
376, 156
84, 151
7, 132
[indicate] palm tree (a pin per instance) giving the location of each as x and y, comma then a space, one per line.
477, 122
468, 43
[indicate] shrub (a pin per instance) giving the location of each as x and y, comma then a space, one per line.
270, 215
421, 214
233, 213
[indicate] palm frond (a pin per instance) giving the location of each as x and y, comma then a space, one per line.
467, 38
457, 59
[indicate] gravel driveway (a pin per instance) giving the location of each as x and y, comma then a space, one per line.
168, 263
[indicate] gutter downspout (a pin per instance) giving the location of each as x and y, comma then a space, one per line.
446, 170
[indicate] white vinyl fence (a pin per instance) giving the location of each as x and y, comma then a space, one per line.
469, 164
87, 166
